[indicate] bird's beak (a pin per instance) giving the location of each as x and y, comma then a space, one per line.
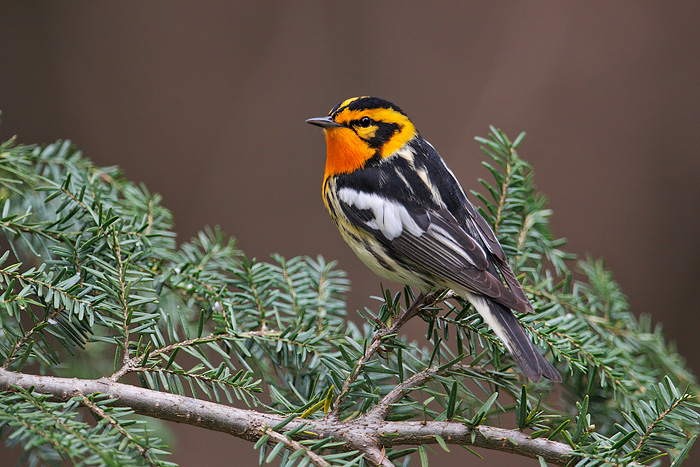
324, 122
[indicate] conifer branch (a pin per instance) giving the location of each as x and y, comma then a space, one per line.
376, 343
366, 434
380, 410
121, 276
295, 446
94, 271
25, 339
97, 410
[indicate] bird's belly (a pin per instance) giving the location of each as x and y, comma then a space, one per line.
376, 257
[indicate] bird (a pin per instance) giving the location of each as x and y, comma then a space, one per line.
405, 215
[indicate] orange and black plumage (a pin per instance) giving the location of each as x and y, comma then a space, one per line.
403, 212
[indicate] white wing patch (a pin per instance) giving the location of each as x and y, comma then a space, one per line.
390, 218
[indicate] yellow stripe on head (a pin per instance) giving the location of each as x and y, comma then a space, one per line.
343, 105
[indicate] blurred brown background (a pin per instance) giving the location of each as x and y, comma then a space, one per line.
205, 103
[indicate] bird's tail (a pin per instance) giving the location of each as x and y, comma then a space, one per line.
512, 334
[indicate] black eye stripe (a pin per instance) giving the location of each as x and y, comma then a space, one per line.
385, 131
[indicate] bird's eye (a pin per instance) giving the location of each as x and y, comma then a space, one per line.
365, 122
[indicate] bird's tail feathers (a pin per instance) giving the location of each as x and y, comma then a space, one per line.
512, 334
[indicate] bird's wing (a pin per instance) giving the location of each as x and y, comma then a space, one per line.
480, 225
430, 239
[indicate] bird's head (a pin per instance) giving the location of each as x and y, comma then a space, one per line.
360, 129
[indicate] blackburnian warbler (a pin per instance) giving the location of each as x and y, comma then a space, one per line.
406, 216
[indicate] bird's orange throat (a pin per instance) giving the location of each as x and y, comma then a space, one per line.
345, 151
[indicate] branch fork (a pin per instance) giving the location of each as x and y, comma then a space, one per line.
369, 434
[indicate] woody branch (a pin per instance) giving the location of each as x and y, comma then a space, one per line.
367, 434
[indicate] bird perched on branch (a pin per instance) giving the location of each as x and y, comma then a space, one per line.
406, 216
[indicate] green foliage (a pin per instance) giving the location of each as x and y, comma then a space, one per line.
90, 272
52, 431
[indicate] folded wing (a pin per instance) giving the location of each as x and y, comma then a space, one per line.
434, 241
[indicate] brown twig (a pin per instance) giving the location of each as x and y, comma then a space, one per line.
97, 410
374, 346
292, 445
367, 435
379, 411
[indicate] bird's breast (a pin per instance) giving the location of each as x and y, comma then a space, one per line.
345, 151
